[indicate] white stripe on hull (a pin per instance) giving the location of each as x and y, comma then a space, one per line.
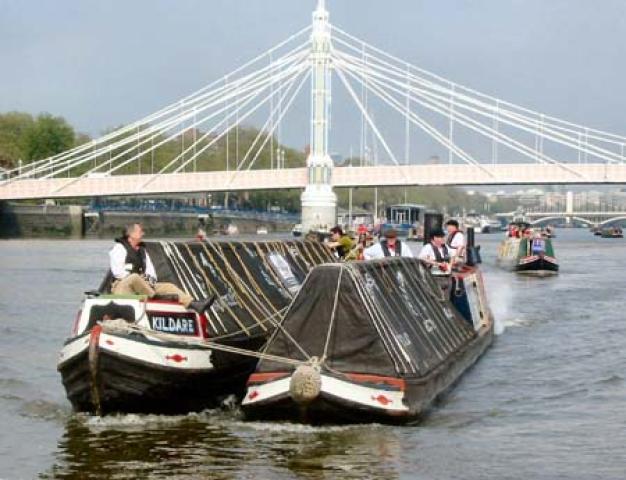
164, 355
73, 349
386, 400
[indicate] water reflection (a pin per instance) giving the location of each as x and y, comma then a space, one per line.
220, 446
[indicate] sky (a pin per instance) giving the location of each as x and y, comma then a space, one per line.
101, 64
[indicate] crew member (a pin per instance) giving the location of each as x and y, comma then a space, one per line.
436, 253
455, 240
341, 243
390, 246
134, 272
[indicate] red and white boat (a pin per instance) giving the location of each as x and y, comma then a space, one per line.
133, 354
373, 341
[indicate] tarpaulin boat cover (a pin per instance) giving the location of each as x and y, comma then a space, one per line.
252, 280
383, 317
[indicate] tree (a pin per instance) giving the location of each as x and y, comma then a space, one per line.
13, 126
47, 136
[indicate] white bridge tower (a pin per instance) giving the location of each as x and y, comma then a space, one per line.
318, 199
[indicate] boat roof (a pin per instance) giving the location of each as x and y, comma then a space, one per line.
250, 279
382, 317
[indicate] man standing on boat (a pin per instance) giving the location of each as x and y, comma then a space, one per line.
455, 240
341, 243
134, 273
389, 247
436, 253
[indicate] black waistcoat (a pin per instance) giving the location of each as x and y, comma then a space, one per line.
387, 253
438, 257
137, 258
451, 237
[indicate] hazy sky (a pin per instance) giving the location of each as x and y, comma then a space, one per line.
104, 63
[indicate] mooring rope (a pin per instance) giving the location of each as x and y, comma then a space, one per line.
113, 326
332, 315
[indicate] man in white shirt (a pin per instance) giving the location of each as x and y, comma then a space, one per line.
436, 253
389, 247
134, 273
456, 240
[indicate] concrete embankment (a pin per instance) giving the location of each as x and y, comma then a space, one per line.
73, 221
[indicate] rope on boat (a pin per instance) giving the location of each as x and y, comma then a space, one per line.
332, 315
122, 326
241, 289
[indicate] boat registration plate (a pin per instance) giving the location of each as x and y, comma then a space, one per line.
178, 323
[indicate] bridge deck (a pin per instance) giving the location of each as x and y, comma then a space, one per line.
459, 175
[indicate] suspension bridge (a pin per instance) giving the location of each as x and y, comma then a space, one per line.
487, 141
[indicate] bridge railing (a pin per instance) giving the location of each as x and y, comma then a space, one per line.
260, 215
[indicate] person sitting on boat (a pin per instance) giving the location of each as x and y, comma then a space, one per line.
436, 253
134, 273
390, 246
455, 240
341, 243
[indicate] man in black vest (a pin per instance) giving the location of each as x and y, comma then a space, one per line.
436, 253
456, 240
389, 247
134, 273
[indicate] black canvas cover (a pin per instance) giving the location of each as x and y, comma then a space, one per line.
390, 318
253, 281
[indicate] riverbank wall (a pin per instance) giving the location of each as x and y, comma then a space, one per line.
74, 221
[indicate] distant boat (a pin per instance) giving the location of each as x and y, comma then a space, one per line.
528, 255
404, 218
614, 232
261, 231
480, 223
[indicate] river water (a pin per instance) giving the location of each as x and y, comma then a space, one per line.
547, 401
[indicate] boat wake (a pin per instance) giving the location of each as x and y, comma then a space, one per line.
135, 421
288, 427
44, 410
515, 322
500, 301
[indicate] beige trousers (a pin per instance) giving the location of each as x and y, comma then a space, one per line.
135, 284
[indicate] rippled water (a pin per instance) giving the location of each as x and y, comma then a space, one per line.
547, 401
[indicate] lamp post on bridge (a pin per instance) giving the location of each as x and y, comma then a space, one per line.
319, 202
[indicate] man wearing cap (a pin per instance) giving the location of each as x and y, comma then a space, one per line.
436, 253
389, 247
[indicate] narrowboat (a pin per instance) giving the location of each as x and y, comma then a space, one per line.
151, 355
524, 252
371, 341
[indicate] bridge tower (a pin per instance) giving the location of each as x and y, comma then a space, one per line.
318, 199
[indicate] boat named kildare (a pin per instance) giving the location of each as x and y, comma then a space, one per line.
151, 355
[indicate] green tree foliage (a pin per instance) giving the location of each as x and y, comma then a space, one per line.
47, 136
13, 126
25, 138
